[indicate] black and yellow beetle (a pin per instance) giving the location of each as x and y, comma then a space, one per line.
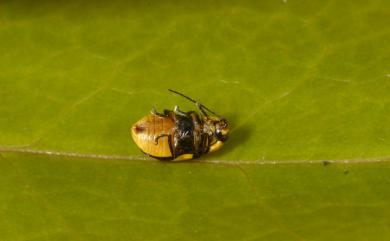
177, 135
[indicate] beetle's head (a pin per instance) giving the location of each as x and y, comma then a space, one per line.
221, 130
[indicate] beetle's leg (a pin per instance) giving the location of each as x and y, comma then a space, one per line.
205, 143
200, 107
177, 111
158, 137
167, 112
154, 112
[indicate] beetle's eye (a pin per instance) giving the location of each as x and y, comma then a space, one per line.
218, 133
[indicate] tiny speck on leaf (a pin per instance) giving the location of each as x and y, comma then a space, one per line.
325, 163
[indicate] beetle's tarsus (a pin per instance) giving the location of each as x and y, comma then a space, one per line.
154, 112
178, 111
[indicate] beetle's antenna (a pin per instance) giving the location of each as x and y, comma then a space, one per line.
194, 101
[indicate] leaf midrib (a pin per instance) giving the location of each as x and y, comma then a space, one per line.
4, 149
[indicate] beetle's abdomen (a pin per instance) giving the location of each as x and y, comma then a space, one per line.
146, 130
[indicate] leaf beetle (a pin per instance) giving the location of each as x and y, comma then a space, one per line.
177, 135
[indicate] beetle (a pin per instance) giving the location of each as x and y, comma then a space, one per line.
177, 135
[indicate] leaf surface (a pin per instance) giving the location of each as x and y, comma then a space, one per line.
303, 84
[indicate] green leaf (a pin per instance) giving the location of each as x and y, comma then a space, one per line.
303, 84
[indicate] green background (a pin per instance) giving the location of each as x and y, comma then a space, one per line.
303, 84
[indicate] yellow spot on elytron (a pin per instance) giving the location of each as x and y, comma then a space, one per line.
184, 157
215, 147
